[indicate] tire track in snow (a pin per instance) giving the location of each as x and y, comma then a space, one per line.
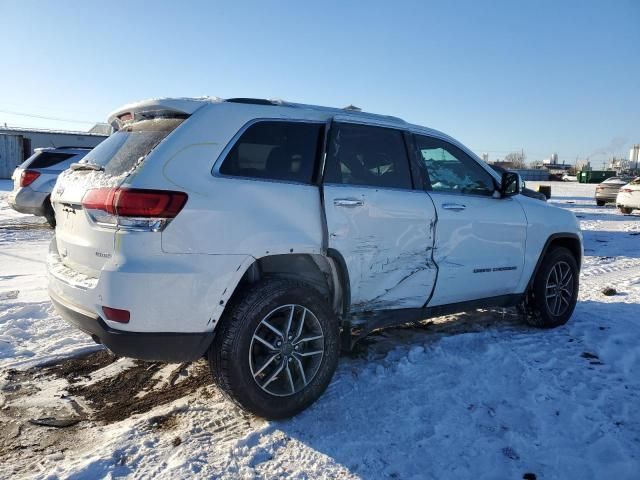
617, 273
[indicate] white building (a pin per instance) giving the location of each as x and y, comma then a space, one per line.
25, 140
552, 160
634, 157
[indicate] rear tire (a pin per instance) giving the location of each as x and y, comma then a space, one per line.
625, 210
243, 367
600, 203
49, 214
554, 293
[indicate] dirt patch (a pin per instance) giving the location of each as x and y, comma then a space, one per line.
25, 226
75, 369
46, 411
164, 422
131, 390
137, 389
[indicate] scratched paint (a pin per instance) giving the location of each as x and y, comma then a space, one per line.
387, 243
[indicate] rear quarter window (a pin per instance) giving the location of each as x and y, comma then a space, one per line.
275, 150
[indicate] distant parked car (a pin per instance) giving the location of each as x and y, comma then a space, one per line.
34, 179
569, 178
628, 198
527, 192
607, 191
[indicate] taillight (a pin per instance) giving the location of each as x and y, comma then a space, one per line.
627, 190
133, 208
28, 177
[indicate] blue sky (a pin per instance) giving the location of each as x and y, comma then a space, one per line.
542, 76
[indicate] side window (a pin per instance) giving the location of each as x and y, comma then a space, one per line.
451, 170
276, 150
364, 155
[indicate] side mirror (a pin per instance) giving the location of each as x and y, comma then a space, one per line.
510, 184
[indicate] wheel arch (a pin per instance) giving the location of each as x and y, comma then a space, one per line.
326, 273
568, 240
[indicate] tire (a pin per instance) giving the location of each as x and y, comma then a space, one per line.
235, 354
600, 203
625, 210
49, 214
544, 312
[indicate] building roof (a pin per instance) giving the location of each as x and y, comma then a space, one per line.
8, 130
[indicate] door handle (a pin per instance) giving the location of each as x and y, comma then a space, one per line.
454, 206
348, 202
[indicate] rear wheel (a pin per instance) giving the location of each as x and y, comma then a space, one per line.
625, 210
554, 294
49, 213
276, 348
600, 203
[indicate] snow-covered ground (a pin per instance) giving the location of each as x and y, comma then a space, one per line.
477, 395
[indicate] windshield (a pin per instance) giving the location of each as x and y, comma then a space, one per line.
121, 151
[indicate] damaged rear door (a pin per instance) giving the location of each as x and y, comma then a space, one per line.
382, 227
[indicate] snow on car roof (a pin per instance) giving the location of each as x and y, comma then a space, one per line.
188, 106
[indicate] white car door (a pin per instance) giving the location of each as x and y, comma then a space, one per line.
480, 237
382, 227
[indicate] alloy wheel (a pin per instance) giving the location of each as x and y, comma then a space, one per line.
286, 350
559, 288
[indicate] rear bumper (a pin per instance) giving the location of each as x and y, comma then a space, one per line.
175, 301
27, 200
628, 200
158, 346
606, 196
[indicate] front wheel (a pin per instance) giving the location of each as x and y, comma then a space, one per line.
554, 294
276, 348
625, 210
600, 203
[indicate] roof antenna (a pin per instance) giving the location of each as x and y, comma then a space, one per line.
352, 108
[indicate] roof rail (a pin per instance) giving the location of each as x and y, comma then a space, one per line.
252, 101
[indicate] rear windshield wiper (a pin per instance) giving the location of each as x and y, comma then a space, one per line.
86, 166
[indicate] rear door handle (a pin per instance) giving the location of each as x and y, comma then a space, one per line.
348, 202
454, 206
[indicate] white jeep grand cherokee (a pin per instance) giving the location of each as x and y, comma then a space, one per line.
266, 235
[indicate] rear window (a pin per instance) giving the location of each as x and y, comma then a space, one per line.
120, 152
47, 159
275, 150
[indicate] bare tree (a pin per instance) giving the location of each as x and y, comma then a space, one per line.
516, 159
